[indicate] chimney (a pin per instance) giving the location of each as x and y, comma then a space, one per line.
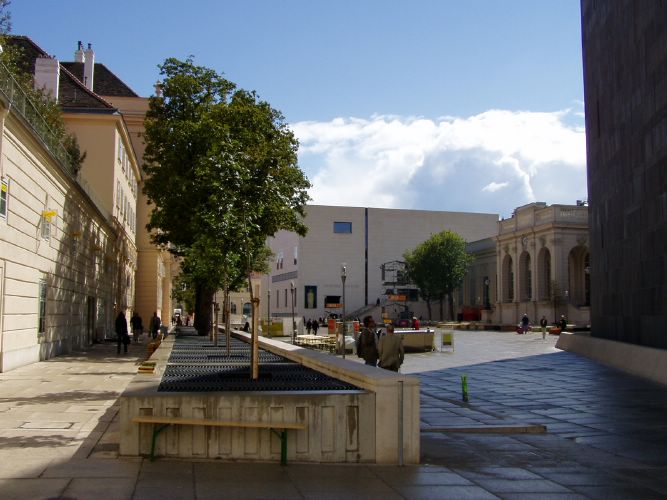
79, 56
88, 67
47, 75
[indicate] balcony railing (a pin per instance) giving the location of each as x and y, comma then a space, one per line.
25, 108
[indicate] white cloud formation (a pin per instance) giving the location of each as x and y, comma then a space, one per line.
495, 186
490, 162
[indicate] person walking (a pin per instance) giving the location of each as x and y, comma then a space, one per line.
309, 326
563, 323
391, 350
543, 324
122, 337
315, 325
156, 323
137, 326
525, 322
366, 344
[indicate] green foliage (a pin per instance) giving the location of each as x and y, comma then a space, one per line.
13, 58
438, 265
222, 174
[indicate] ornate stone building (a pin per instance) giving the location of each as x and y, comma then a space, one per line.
538, 264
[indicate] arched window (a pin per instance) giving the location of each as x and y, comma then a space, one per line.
233, 308
544, 275
508, 279
525, 277
579, 278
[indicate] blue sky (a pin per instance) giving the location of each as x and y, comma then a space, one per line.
447, 105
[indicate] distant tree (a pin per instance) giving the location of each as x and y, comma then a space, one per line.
222, 176
437, 266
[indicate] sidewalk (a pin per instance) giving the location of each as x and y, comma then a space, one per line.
606, 433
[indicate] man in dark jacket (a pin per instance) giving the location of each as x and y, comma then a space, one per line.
122, 336
367, 345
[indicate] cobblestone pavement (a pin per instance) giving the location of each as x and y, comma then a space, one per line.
605, 438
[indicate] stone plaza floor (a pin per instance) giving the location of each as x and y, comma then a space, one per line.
606, 433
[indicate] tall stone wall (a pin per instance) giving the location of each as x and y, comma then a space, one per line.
625, 85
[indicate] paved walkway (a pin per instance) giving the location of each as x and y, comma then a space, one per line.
606, 433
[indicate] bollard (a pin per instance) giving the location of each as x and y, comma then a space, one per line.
464, 387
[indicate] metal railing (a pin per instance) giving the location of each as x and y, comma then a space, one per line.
21, 103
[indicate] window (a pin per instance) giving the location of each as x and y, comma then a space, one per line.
4, 188
232, 308
285, 297
342, 227
296, 254
277, 298
46, 228
41, 329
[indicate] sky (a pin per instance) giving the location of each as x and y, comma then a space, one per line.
453, 105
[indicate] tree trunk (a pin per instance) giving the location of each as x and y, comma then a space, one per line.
442, 312
450, 301
203, 313
428, 306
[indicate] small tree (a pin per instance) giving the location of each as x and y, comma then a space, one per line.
437, 266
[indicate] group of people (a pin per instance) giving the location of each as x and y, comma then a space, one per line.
136, 324
525, 324
385, 351
312, 325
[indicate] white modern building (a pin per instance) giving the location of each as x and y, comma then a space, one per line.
305, 277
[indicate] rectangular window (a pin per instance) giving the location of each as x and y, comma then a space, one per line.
342, 227
4, 188
285, 297
46, 228
41, 329
277, 298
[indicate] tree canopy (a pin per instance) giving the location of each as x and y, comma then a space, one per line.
222, 175
437, 266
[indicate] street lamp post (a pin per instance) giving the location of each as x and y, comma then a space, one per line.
291, 289
343, 277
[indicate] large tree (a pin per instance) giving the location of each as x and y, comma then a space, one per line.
437, 266
222, 175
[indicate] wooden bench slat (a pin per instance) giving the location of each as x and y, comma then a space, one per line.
150, 419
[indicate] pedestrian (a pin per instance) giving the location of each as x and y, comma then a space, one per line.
137, 326
525, 322
391, 350
309, 326
366, 343
543, 324
156, 323
563, 323
122, 337
246, 327
415, 323
315, 326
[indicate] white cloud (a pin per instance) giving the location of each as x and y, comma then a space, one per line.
490, 162
495, 186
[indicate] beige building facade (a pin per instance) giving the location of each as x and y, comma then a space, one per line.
57, 243
154, 267
306, 271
